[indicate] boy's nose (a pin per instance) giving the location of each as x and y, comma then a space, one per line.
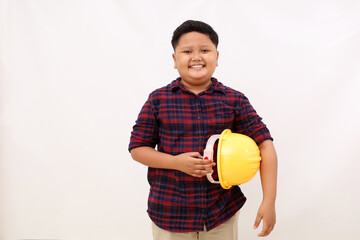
197, 56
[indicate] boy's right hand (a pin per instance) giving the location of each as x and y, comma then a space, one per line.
193, 164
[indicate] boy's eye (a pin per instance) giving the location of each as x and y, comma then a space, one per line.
187, 51
205, 50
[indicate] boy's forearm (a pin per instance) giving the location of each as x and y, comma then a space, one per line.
152, 158
268, 171
190, 163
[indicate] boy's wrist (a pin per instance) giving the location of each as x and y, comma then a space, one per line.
269, 200
175, 163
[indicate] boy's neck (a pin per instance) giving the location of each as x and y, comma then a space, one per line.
197, 88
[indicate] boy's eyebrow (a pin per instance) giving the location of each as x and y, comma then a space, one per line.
191, 46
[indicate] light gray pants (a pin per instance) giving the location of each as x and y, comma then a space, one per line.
227, 231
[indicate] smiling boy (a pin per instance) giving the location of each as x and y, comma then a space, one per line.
196, 58
178, 119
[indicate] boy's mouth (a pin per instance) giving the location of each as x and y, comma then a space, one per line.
197, 66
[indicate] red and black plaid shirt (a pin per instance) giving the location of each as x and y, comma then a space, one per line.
176, 121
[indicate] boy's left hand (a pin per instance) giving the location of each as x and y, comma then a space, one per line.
266, 213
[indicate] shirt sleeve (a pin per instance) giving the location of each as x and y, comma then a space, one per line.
249, 123
145, 130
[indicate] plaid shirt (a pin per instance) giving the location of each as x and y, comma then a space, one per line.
178, 121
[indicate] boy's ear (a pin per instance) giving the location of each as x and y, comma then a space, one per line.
217, 58
174, 58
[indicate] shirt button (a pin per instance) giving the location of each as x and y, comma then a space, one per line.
199, 117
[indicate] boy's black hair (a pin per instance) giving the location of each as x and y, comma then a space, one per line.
194, 26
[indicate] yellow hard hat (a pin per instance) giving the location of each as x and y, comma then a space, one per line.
238, 158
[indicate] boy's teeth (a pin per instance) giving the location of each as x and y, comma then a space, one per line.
197, 66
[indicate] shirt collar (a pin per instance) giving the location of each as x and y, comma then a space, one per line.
216, 86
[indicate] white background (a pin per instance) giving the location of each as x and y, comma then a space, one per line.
75, 73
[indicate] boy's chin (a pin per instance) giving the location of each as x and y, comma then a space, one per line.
199, 76
196, 81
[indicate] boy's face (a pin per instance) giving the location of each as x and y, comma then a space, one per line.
195, 58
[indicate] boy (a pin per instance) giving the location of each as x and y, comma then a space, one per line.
178, 119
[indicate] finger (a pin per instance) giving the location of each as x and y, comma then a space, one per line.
270, 230
265, 231
257, 221
199, 174
205, 168
202, 172
196, 155
209, 168
271, 227
203, 163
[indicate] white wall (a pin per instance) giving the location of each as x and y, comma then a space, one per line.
74, 75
